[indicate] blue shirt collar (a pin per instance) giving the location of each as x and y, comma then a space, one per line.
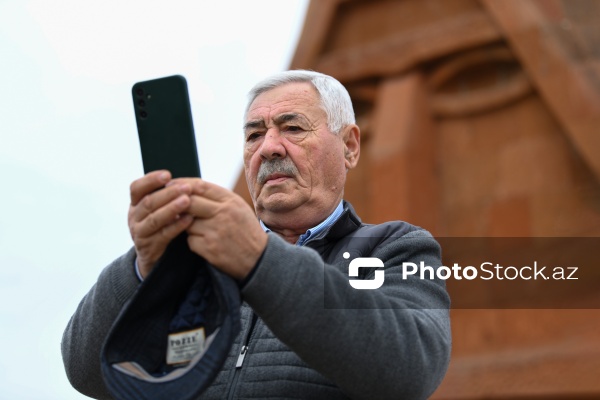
316, 229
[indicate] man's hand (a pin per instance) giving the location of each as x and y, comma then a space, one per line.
157, 216
225, 230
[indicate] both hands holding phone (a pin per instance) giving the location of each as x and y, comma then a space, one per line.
171, 198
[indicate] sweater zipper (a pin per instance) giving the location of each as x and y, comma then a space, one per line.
241, 356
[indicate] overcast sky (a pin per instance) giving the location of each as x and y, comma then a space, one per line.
69, 149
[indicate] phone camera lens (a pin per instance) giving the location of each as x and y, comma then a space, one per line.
144, 114
140, 92
141, 103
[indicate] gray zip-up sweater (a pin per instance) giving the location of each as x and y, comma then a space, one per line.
306, 333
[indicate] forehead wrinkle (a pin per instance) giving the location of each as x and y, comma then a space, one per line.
288, 117
265, 108
278, 120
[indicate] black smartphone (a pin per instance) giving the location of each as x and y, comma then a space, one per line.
165, 126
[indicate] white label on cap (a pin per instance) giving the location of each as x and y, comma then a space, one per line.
183, 346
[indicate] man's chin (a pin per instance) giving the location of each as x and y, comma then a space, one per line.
278, 202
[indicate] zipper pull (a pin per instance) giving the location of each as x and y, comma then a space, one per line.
240, 359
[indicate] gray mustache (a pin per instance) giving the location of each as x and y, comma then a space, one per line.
276, 166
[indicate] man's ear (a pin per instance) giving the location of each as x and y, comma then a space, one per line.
351, 138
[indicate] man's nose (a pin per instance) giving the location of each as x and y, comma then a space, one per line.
272, 145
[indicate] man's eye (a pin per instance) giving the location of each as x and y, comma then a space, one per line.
253, 136
293, 129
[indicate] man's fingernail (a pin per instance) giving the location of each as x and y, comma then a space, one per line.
164, 177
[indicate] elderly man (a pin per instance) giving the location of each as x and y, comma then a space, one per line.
306, 332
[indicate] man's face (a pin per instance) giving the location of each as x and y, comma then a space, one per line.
294, 165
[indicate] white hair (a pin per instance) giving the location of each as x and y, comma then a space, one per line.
335, 100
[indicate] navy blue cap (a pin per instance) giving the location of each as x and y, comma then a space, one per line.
173, 336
